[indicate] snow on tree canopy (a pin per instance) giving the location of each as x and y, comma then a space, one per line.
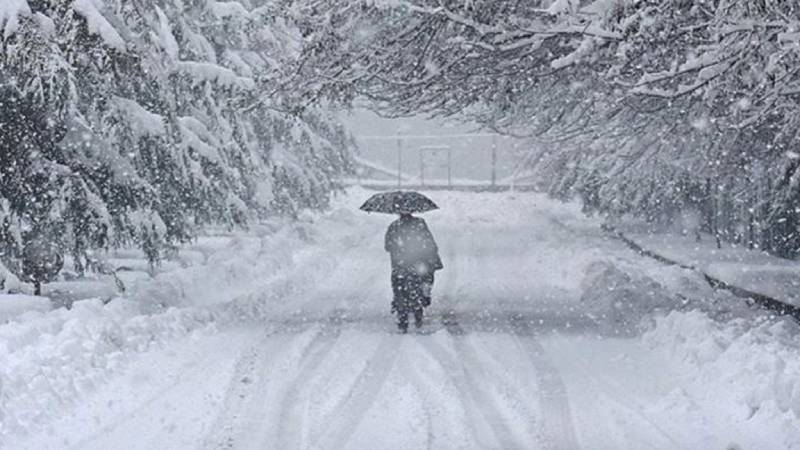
148, 220
238, 62
196, 136
98, 24
148, 122
165, 35
142, 122
608, 92
563, 6
228, 9
212, 72
10, 12
88, 148
601, 8
585, 49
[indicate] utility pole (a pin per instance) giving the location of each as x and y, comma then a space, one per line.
399, 160
449, 167
422, 166
494, 160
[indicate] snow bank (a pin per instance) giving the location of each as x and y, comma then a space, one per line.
753, 270
12, 305
619, 299
747, 371
50, 360
252, 263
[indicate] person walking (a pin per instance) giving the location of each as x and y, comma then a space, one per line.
413, 252
415, 260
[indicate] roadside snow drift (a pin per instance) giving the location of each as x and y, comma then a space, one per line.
49, 360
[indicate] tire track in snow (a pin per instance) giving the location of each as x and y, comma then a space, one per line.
185, 376
625, 406
476, 401
556, 418
235, 398
452, 271
414, 374
559, 428
350, 412
246, 410
559, 431
247, 418
292, 432
293, 412
481, 409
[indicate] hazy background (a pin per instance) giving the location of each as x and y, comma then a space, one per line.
471, 148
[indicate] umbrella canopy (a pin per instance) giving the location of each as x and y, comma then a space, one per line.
399, 202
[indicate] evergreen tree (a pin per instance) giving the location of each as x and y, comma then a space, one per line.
135, 122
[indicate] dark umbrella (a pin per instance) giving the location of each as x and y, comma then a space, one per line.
399, 202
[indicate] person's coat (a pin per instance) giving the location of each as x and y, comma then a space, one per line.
411, 246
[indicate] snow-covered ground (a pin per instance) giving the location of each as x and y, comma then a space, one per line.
13, 305
735, 264
544, 333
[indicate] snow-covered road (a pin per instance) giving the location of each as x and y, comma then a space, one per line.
507, 358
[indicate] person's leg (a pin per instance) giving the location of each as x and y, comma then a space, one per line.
427, 290
418, 317
415, 293
400, 305
402, 319
397, 293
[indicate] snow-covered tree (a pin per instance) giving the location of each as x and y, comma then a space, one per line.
137, 121
642, 107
